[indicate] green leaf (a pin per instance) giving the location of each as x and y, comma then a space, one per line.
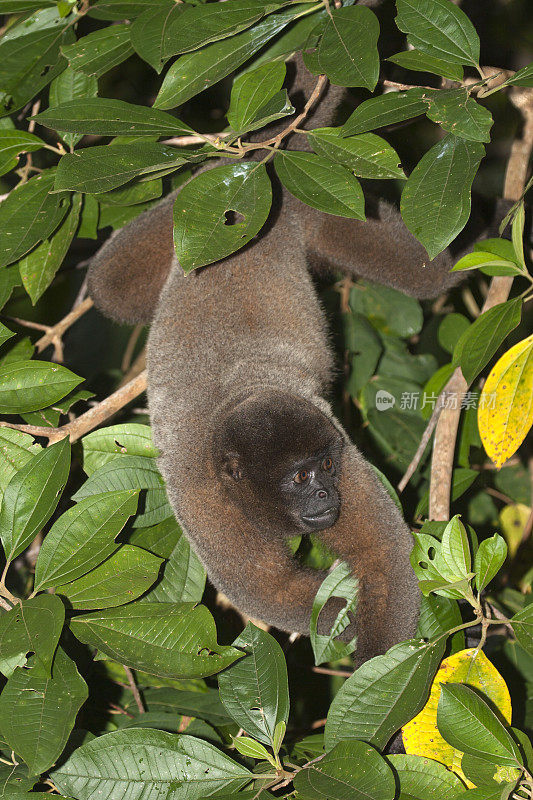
30, 385
251, 91
31, 497
202, 24
437, 616
321, 183
353, 770
435, 202
29, 63
127, 473
83, 537
194, 72
453, 559
173, 640
468, 723
524, 77
255, 691
119, 9
367, 155
455, 111
279, 735
37, 269
72, 85
9, 278
424, 779
522, 623
204, 705
14, 142
37, 714
387, 309
16, 449
105, 117
160, 539
183, 578
403, 675
251, 748
105, 444
451, 329
341, 583
488, 263
439, 29
100, 51
5, 334
385, 110
124, 761
18, 6
123, 577
100, 169
347, 50
33, 626
28, 215
490, 557
420, 62
150, 31
201, 230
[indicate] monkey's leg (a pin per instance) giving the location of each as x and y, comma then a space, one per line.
371, 536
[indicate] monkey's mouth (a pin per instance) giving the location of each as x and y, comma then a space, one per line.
324, 519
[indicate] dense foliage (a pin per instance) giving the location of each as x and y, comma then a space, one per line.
115, 682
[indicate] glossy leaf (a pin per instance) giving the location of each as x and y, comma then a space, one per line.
83, 537
424, 779
28, 64
437, 616
150, 32
353, 770
127, 473
124, 761
403, 675
37, 714
421, 736
33, 626
523, 77
347, 50
203, 24
249, 747
119, 9
100, 169
435, 202
522, 623
254, 691
194, 72
489, 560
174, 640
28, 215
123, 577
201, 230
100, 51
481, 340
505, 412
71, 85
16, 449
32, 495
455, 111
468, 723
420, 62
439, 28
339, 582
183, 578
385, 110
38, 269
14, 142
367, 155
100, 115
250, 92
30, 385
104, 444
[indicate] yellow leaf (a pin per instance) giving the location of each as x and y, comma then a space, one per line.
513, 520
505, 412
421, 736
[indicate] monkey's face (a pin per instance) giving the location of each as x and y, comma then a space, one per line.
278, 458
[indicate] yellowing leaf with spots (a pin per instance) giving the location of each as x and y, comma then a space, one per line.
421, 736
513, 519
505, 412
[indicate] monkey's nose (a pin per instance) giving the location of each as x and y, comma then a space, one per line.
322, 494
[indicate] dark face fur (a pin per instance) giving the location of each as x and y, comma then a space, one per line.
279, 457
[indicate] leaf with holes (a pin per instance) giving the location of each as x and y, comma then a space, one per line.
34, 626
340, 583
203, 231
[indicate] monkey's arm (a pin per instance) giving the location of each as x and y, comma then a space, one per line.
371, 536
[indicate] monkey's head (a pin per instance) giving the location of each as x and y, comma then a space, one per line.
278, 457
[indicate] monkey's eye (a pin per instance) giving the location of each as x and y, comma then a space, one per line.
302, 476
327, 464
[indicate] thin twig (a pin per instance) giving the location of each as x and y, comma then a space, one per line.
91, 419
340, 673
432, 424
130, 348
55, 332
134, 689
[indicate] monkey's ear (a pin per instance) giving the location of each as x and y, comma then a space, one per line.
231, 466
127, 274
